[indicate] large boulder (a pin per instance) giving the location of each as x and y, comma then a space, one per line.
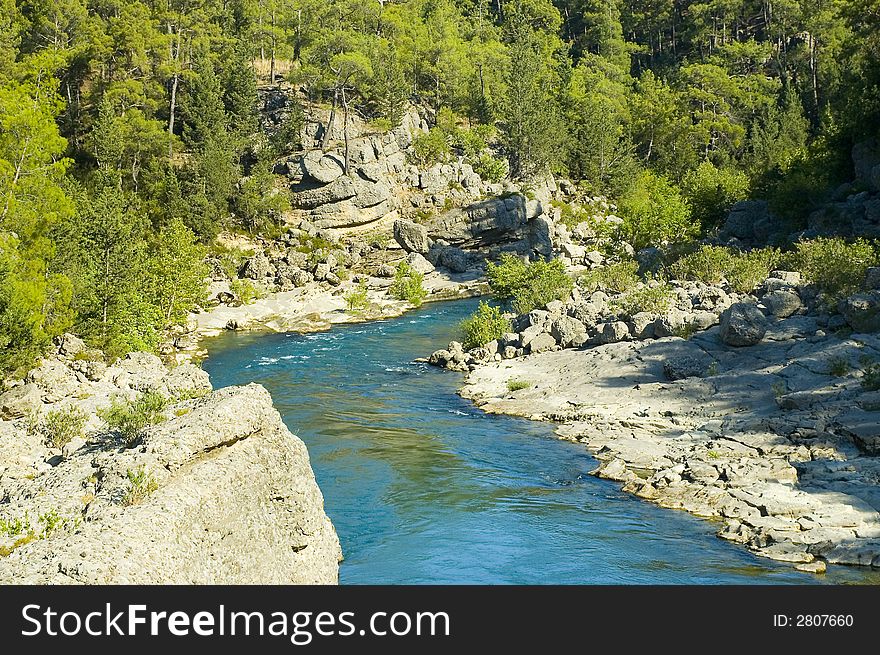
743, 218
257, 267
232, 500
862, 311
743, 324
419, 264
782, 303
569, 332
322, 168
452, 258
69, 345
412, 237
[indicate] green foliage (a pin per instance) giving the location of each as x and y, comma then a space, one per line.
246, 291
140, 485
431, 148
356, 300
712, 264
258, 204
61, 426
131, 418
653, 300
620, 277
176, 271
486, 324
514, 385
835, 266
528, 285
489, 168
711, 192
750, 268
838, 367
655, 213
408, 285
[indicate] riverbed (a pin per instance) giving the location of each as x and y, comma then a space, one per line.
425, 488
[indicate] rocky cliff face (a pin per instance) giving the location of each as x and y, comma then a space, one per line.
219, 492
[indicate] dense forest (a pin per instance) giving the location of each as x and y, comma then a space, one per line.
130, 129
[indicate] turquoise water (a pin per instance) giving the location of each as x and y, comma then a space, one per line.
424, 488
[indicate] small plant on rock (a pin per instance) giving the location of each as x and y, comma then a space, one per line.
518, 385
131, 418
838, 367
408, 285
871, 378
653, 300
486, 324
62, 426
528, 285
141, 485
356, 299
619, 277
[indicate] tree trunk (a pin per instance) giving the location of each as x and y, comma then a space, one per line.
345, 130
272, 63
326, 140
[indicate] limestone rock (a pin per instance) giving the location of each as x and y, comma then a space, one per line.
419, 264
862, 311
569, 332
782, 303
20, 401
235, 502
742, 324
412, 237
321, 167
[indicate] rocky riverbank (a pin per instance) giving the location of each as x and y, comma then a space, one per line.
765, 418
211, 489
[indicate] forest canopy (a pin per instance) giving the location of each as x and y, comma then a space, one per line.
130, 129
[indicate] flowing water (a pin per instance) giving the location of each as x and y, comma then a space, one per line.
424, 488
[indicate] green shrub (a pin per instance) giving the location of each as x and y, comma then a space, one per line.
711, 264
431, 148
654, 213
711, 192
838, 367
408, 285
356, 299
518, 385
246, 291
489, 168
528, 285
871, 378
62, 426
835, 266
131, 418
486, 324
751, 268
140, 485
619, 277
654, 300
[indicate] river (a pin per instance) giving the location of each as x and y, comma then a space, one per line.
425, 488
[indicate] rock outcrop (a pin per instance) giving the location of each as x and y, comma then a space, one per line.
219, 492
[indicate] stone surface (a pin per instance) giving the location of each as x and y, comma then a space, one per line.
862, 311
569, 332
742, 324
20, 401
412, 237
235, 501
